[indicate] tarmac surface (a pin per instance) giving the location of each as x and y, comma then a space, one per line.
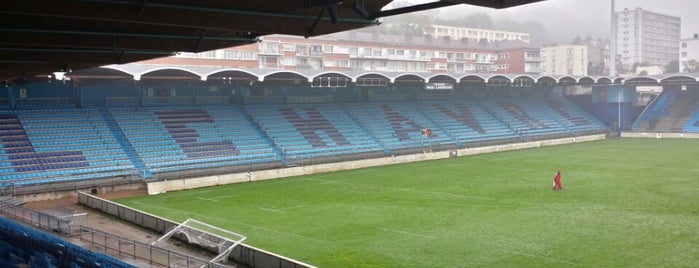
106, 223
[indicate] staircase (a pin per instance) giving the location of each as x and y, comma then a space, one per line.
268, 139
677, 115
366, 130
141, 167
644, 126
6, 201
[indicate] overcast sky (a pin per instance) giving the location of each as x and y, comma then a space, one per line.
588, 17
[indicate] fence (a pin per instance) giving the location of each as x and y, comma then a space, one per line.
42, 249
44, 102
112, 243
68, 224
243, 254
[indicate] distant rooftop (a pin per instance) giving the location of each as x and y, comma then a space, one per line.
423, 41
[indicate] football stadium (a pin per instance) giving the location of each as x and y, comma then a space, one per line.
110, 163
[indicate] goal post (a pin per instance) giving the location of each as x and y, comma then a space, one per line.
207, 236
70, 224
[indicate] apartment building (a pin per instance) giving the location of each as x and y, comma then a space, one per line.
360, 51
458, 33
564, 60
689, 54
646, 37
598, 57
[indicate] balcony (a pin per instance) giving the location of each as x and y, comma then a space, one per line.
271, 65
532, 70
532, 58
269, 51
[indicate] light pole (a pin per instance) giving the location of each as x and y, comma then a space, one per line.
612, 46
618, 110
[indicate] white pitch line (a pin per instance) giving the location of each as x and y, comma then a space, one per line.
207, 199
403, 189
224, 196
253, 226
406, 233
540, 257
291, 207
272, 210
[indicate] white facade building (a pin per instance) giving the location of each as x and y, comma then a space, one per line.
646, 37
564, 60
689, 51
458, 33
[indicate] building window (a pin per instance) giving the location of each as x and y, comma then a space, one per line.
186, 55
289, 47
230, 54
207, 54
328, 49
684, 44
270, 48
316, 50
302, 63
684, 54
289, 61
247, 55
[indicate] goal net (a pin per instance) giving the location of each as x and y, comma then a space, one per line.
207, 236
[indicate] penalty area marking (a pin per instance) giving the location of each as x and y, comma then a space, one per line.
273, 210
406, 233
540, 257
206, 199
253, 226
224, 196
280, 210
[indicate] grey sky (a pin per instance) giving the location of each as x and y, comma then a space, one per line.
583, 17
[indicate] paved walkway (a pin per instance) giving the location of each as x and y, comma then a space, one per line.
109, 224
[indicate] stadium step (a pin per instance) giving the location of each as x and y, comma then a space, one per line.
10, 201
124, 142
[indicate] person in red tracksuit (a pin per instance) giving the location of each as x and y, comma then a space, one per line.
557, 181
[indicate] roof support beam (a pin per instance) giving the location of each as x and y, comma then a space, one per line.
116, 41
186, 16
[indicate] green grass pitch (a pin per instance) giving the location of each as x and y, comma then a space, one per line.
625, 203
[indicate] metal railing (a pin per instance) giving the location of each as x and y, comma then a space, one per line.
111, 243
31, 102
62, 224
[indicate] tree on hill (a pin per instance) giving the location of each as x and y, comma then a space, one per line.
672, 67
412, 24
691, 66
476, 20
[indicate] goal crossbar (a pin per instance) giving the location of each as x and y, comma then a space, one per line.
203, 234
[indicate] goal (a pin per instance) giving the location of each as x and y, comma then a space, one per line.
207, 236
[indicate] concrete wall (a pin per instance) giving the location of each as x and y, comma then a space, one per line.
191, 183
659, 135
243, 254
51, 192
